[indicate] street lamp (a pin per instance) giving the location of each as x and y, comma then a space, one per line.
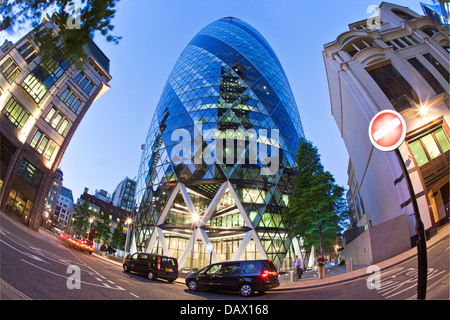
129, 221
90, 223
195, 218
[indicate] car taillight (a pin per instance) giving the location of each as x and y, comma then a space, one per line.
267, 273
159, 263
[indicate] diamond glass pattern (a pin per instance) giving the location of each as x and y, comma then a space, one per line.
229, 82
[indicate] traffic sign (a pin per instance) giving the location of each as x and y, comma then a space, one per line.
387, 130
209, 247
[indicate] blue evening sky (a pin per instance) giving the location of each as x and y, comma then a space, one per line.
107, 145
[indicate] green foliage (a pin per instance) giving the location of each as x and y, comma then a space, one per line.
81, 218
102, 225
77, 25
317, 208
118, 237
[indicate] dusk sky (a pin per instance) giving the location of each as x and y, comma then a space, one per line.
107, 145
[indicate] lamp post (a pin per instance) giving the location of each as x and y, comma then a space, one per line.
129, 221
90, 223
195, 219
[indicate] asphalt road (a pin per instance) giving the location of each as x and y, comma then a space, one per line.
38, 266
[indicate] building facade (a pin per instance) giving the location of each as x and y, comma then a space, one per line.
63, 213
217, 166
101, 207
42, 103
398, 63
123, 196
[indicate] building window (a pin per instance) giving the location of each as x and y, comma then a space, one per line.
15, 113
30, 174
43, 145
71, 100
429, 146
404, 15
28, 52
439, 67
10, 70
42, 78
427, 75
395, 87
57, 120
84, 82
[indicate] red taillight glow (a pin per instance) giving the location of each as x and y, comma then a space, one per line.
159, 263
267, 273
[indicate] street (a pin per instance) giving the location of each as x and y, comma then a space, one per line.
39, 267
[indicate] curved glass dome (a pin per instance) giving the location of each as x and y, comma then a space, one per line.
217, 163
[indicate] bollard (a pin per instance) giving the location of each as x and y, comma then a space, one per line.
350, 265
292, 276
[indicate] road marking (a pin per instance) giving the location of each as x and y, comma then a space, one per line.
4, 284
65, 277
135, 295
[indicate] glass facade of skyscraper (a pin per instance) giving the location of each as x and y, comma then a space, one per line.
217, 166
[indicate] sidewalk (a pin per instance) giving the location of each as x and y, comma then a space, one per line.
338, 274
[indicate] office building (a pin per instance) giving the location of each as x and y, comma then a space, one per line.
42, 104
398, 61
217, 166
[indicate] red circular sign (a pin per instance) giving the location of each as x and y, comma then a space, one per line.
387, 130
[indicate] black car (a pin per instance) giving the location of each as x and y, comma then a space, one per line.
244, 277
152, 265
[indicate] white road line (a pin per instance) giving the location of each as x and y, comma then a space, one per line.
134, 295
65, 277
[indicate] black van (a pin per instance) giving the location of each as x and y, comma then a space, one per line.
244, 277
152, 265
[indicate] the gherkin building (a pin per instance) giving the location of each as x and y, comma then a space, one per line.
217, 166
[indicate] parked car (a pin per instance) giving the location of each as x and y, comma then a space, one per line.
244, 277
152, 265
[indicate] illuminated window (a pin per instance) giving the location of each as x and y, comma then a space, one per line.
10, 70
57, 121
16, 113
42, 144
429, 146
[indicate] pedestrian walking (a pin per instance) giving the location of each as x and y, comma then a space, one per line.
321, 265
298, 265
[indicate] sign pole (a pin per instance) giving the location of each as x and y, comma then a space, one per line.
387, 131
422, 264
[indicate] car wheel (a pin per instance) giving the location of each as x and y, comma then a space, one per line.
193, 285
125, 268
246, 290
150, 275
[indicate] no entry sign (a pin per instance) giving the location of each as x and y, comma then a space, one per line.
387, 130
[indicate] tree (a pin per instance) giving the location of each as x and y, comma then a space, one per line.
118, 237
102, 225
77, 25
317, 208
81, 218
